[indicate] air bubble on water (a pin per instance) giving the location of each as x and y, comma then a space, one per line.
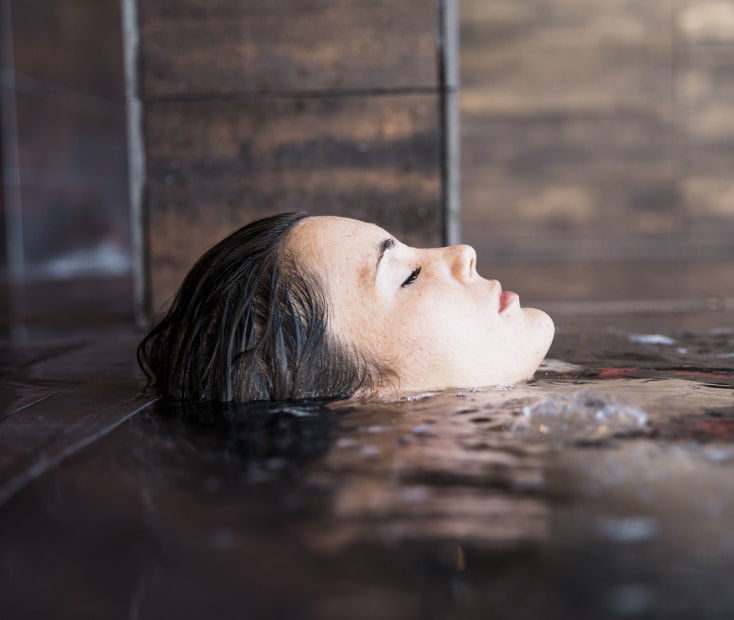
422, 429
651, 339
370, 451
719, 454
583, 414
346, 442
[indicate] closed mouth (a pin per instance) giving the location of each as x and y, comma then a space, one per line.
506, 299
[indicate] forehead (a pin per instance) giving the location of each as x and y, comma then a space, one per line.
330, 244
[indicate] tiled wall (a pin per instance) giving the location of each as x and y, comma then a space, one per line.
601, 130
252, 108
65, 163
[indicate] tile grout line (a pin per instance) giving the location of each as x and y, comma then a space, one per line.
45, 463
206, 97
27, 405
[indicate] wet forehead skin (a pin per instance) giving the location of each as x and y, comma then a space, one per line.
338, 248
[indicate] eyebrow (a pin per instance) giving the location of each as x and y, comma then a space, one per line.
384, 246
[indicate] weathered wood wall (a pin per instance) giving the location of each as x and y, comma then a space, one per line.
598, 130
249, 108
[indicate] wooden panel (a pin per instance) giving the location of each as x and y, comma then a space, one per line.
706, 21
596, 80
553, 140
567, 142
706, 91
571, 131
569, 213
709, 205
567, 172
213, 166
224, 46
508, 26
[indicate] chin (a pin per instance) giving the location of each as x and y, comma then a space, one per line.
541, 329
550, 331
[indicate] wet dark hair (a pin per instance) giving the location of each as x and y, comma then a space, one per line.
249, 323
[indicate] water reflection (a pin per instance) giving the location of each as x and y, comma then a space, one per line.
599, 490
443, 467
252, 433
603, 489
467, 467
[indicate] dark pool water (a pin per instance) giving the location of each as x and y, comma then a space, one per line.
598, 490
602, 489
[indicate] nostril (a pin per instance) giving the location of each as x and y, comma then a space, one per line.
470, 260
461, 259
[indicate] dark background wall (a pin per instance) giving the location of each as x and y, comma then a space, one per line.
252, 108
63, 135
598, 144
597, 138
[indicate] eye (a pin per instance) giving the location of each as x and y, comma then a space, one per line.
411, 278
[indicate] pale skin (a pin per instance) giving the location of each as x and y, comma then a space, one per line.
426, 313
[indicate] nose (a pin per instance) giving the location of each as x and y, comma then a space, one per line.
463, 260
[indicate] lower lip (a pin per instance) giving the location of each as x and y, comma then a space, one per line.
507, 299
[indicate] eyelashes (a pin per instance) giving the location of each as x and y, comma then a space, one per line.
411, 278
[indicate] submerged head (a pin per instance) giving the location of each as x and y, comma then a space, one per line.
296, 307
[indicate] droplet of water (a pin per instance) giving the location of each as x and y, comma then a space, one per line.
651, 339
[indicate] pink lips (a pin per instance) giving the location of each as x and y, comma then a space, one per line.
506, 298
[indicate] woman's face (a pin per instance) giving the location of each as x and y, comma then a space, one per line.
426, 313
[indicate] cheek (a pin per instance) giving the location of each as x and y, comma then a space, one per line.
351, 313
433, 334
